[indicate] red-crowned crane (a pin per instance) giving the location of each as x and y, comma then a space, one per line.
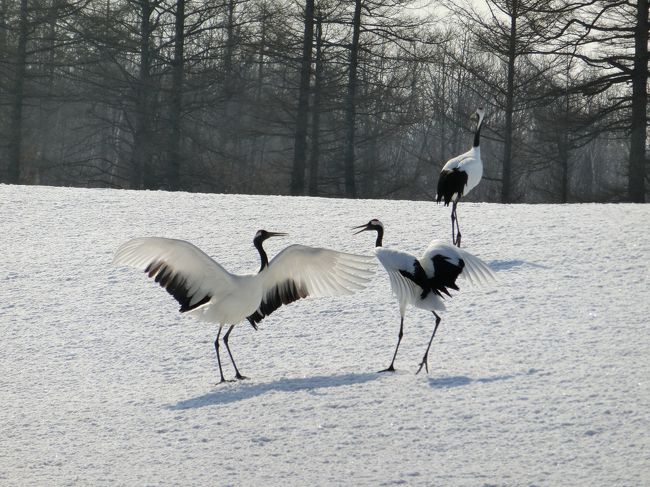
424, 282
206, 291
460, 175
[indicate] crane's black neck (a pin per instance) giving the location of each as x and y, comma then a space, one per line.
380, 236
263, 257
477, 134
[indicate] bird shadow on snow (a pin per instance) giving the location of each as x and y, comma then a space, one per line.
461, 380
247, 391
504, 265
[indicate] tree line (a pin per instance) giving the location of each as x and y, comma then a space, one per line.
362, 98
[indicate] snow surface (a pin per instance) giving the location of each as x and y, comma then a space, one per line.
542, 379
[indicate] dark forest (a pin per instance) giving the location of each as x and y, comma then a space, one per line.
359, 99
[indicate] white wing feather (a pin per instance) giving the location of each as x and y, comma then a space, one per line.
203, 276
320, 272
406, 291
476, 271
457, 162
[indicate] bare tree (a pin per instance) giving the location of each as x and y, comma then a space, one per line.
314, 158
620, 29
297, 186
175, 156
507, 30
350, 99
18, 96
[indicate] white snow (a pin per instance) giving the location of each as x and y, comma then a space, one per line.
541, 379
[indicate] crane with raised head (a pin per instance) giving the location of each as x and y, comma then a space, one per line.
460, 175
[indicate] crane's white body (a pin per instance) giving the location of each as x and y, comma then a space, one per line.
313, 271
423, 282
409, 293
404, 289
460, 175
470, 163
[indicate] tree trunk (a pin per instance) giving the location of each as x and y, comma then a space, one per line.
442, 158
506, 186
637, 172
18, 98
141, 158
3, 25
260, 68
563, 152
314, 159
237, 176
300, 140
175, 154
350, 111
230, 44
564, 149
257, 145
47, 106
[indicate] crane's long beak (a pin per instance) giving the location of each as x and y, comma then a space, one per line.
277, 234
363, 228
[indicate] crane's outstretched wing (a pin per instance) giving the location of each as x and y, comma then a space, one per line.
405, 273
300, 271
474, 270
183, 269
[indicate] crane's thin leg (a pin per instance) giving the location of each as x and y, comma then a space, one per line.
426, 354
225, 340
399, 339
216, 347
453, 223
454, 218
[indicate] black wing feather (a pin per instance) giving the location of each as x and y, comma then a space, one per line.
175, 284
444, 278
450, 183
445, 274
284, 293
419, 277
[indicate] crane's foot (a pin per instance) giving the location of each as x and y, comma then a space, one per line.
457, 240
423, 364
224, 380
389, 369
238, 376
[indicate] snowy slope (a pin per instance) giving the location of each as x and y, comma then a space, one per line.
540, 380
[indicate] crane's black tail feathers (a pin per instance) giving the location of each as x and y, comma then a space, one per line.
451, 182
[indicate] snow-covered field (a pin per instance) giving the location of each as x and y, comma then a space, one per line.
542, 379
